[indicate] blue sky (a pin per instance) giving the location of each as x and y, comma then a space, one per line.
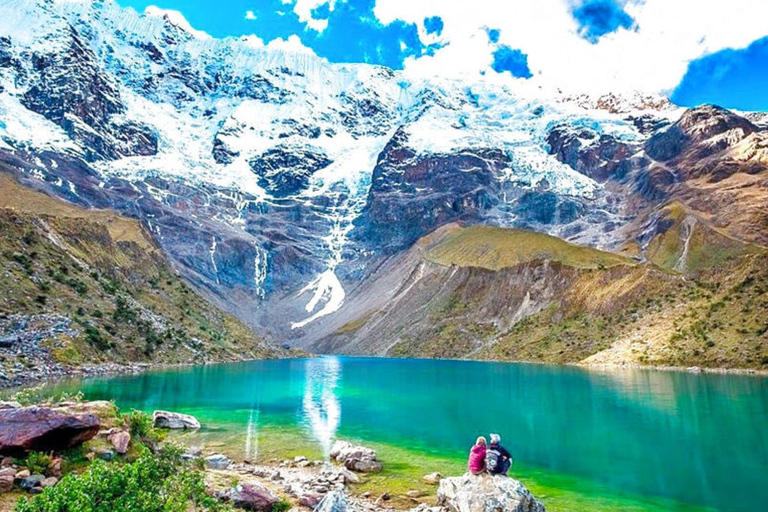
706, 56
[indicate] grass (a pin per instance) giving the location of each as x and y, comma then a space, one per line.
496, 248
104, 273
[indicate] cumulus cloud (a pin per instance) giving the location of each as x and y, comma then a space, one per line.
592, 46
306, 11
291, 44
250, 15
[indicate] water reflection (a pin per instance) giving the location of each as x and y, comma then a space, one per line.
252, 436
321, 407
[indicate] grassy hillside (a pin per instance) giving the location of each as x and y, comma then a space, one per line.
491, 293
82, 286
687, 243
495, 248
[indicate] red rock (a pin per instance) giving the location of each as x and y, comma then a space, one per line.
251, 497
6, 483
41, 429
120, 440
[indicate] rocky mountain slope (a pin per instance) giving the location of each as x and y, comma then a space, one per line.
281, 185
89, 286
494, 293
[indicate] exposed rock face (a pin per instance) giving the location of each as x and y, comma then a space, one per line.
356, 458
41, 429
218, 461
174, 420
283, 171
334, 501
484, 493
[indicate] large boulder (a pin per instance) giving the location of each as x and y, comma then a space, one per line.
485, 493
174, 420
105, 410
355, 457
41, 429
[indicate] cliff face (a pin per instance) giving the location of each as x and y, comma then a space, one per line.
89, 286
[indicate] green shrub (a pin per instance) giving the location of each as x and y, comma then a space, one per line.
38, 463
150, 484
281, 506
142, 427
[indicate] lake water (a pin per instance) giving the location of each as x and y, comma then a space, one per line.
621, 440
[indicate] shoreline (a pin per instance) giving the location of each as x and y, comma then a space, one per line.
60, 373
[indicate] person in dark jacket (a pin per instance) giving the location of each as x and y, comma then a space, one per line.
498, 460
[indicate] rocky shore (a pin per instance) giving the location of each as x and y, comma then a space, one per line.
42, 437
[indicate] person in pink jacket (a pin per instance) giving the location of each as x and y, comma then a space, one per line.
476, 464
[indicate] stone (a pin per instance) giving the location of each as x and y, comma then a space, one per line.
349, 477
7, 462
415, 493
120, 439
356, 458
41, 429
8, 472
31, 481
432, 478
304, 464
6, 483
485, 493
252, 497
105, 410
335, 501
49, 482
9, 405
299, 458
23, 473
174, 420
310, 500
105, 454
218, 461
381, 499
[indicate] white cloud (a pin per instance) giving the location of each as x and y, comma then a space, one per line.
292, 44
175, 18
652, 58
304, 8
250, 15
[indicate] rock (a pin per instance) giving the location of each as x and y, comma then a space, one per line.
252, 497
304, 464
40, 429
120, 440
218, 461
334, 501
174, 420
381, 499
8, 472
104, 454
9, 405
49, 482
485, 493
310, 499
55, 468
193, 452
349, 477
356, 458
105, 410
31, 481
6, 483
22, 473
299, 458
432, 478
7, 462
415, 493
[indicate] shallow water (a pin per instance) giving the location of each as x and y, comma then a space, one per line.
623, 440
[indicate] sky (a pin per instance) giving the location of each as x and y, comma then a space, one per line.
693, 51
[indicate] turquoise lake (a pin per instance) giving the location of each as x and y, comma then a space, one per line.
634, 439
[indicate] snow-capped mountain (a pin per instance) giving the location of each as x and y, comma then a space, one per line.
277, 181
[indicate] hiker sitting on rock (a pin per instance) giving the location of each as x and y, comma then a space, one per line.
497, 459
476, 464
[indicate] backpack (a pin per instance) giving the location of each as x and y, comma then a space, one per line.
493, 460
